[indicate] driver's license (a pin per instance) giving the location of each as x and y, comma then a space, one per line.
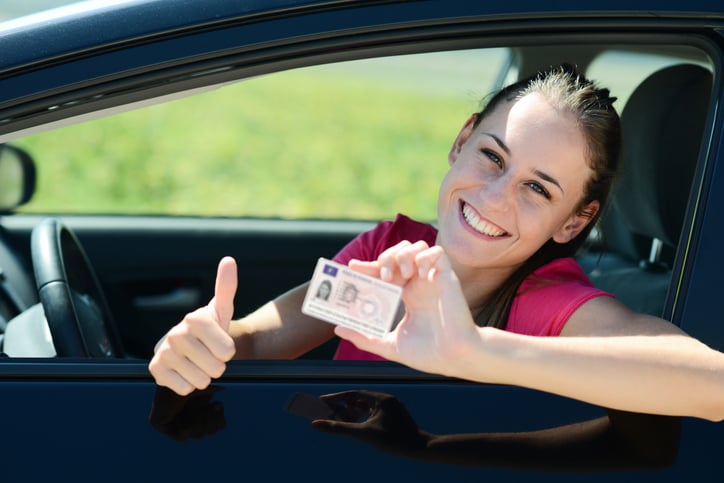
339, 295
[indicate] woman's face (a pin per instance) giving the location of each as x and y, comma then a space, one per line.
514, 182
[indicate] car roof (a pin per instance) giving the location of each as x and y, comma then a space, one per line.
102, 54
103, 23
97, 24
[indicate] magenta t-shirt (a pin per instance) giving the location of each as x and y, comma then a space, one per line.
545, 300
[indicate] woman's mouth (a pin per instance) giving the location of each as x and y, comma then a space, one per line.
479, 225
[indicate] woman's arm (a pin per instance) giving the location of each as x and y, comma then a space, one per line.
610, 356
659, 372
196, 350
617, 358
279, 329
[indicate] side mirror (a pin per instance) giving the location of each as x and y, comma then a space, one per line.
17, 177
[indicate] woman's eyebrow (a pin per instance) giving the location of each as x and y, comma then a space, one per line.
549, 178
500, 142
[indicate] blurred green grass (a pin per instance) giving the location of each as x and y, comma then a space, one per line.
344, 141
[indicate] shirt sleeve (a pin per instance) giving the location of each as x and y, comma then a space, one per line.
548, 298
369, 245
365, 245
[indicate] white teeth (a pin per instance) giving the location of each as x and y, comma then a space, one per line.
479, 225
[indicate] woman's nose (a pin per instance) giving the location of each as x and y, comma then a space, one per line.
495, 193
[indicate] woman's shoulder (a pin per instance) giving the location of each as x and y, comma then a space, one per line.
548, 297
561, 278
402, 227
369, 245
564, 269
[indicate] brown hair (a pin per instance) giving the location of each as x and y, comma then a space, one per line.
565, 89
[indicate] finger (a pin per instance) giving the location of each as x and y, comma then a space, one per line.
200, 339
387, 262
177, 373
368, 268
176, 383
364, 342
207, 351
224, 292
431, 261
200, 335
405, 258
166, 377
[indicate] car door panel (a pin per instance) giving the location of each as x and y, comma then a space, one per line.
240, 428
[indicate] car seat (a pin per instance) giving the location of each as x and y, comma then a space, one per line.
662, 124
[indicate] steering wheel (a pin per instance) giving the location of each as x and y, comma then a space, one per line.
75, 308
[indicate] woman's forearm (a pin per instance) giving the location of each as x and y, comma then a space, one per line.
659, 374
278, 329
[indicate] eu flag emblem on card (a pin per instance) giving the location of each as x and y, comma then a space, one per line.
330, 270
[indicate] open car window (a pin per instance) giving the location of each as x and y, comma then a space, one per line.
353, 140
348, 142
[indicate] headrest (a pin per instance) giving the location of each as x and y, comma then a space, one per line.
662, 127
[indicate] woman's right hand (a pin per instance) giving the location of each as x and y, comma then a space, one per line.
196, 350
437, 325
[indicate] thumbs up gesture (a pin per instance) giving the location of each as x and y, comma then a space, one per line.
196, 350
223, 302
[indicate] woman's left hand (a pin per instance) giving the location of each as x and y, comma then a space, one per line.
437, 320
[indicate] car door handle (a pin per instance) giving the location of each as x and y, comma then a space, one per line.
183, 297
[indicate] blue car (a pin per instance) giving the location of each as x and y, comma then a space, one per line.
143, 140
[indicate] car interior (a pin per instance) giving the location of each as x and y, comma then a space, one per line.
633, 253
663, 123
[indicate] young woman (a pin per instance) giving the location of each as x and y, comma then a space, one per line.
528, 178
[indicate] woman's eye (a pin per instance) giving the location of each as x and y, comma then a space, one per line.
493, 157
539, 189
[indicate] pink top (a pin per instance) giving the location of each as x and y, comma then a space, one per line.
545, 300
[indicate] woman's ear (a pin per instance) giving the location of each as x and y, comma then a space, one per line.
462, 136
577, 222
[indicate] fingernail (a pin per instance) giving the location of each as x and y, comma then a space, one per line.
385, 273
406, 270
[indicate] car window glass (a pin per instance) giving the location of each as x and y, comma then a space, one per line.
663, 102
622, 71
354, 140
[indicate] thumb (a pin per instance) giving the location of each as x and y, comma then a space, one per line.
368, 268
224, 291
